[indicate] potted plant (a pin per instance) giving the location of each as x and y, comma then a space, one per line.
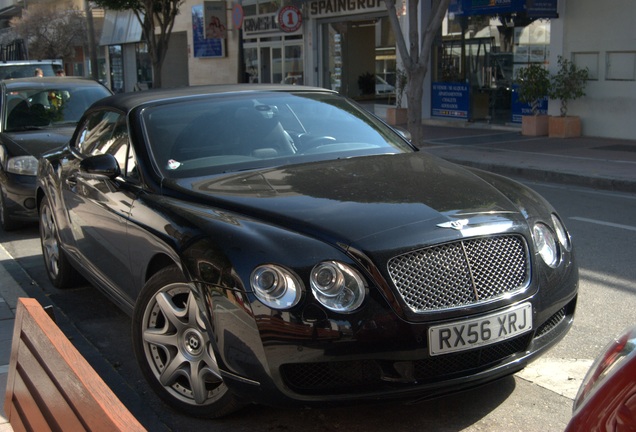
567, 85
398, 115
534, 86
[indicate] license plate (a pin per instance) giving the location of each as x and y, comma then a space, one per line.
473, 333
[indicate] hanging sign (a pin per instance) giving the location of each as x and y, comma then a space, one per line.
237, 16
289, 19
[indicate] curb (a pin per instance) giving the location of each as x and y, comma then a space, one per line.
610, 184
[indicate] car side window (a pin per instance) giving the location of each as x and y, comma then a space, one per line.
119, 146
96, 132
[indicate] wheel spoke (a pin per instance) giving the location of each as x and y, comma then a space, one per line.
174, 369
172, 313
193, 312
199, 391
161, 337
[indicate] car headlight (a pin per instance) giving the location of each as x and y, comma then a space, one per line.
546, 244
561, 232
276, 286
337, 286
24, 165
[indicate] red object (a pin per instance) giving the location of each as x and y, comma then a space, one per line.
607, 398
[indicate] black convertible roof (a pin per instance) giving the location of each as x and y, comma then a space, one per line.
128, 101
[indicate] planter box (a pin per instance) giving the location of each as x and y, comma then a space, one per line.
534, 125
565, 127
396, 116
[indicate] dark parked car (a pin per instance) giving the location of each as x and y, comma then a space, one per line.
279, 244
37, 114
607, 398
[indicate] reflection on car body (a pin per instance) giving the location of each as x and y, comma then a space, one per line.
606, 400
280, 244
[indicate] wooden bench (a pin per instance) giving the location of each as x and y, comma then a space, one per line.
51, 386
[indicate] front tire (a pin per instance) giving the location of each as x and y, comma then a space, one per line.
173, 348
59, 269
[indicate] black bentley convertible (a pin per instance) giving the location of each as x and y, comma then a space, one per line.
278, 244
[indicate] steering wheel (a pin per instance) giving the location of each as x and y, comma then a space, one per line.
317, 141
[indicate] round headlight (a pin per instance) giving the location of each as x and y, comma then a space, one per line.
561, 232
24, 165
276, 286
546, 244
337, 286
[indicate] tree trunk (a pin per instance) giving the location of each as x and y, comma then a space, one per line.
414, 97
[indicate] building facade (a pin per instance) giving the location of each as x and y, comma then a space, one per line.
349, 46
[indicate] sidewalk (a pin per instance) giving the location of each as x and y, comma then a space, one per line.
600, 163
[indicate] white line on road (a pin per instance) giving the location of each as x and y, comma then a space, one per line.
609, 224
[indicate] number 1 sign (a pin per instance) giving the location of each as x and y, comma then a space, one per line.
289, 19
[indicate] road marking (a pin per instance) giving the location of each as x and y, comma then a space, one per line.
562, 376
609, 224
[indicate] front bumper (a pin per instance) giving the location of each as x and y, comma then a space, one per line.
19, 196
301, 364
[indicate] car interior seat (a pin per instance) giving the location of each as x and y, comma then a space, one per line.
260, 133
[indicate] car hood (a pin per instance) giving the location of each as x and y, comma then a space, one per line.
37, 142
372, 202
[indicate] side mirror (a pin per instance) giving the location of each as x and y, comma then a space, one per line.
404, 133
100, 167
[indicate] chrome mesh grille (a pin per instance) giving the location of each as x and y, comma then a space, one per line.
461, 273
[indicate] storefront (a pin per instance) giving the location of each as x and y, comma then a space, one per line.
127, 65
355, 47
483, 45
273, 53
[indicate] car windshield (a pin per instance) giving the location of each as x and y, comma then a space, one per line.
45, 107
223, 134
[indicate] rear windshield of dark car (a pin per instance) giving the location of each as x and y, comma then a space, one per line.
8, 71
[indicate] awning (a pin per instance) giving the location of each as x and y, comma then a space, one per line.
120, 27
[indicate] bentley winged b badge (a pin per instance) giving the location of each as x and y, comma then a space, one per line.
456, 224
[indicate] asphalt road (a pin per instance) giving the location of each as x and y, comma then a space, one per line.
539, 398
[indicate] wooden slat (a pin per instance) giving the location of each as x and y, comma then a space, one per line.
27, 408
51, 402
50, 382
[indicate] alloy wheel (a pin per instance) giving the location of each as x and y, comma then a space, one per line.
177, 347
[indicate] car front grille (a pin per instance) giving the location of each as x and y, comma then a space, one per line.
461, 273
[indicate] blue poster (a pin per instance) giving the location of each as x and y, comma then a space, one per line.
520, 109
204, 47
450, 100
542, 8
485, 7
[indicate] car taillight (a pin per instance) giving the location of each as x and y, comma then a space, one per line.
613, 355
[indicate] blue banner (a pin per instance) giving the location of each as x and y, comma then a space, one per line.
520, 109
542, 8
450, 100
533, 8
485, 7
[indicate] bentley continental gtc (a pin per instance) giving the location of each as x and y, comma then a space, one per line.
280, 244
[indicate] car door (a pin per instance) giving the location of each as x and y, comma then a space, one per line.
99, 207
